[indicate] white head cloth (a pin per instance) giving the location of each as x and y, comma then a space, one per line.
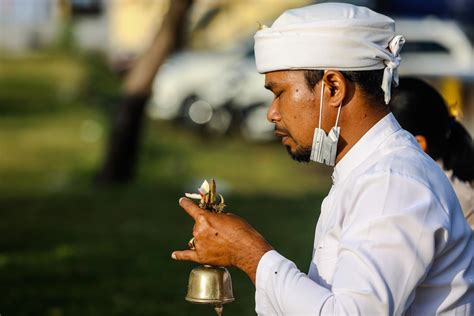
331, 36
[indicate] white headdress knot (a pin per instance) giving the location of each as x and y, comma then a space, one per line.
391, 70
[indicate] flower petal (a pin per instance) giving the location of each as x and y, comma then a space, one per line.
193, 196
205, 186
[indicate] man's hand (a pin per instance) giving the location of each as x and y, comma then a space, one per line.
223, 240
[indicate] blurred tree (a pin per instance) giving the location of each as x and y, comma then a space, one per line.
121, 154
65, 36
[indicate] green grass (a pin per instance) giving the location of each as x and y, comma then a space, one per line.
68, 247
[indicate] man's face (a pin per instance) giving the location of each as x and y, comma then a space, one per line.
294, 111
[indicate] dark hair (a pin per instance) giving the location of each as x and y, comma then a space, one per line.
369, 81
421, 110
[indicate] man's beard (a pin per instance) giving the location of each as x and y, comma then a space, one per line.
301, 154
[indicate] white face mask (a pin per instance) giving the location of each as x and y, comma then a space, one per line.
325, 146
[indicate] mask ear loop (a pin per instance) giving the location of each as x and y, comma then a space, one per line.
321, 107
321, 104
338, 112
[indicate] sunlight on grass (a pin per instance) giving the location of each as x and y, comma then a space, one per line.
69, 247
45, 153
65, 72
244, 167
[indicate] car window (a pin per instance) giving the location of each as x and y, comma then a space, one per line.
424, 47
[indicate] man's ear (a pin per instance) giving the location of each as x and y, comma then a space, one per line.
337, 87
422, 141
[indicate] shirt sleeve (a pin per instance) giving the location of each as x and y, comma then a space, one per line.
388, 240
281, 289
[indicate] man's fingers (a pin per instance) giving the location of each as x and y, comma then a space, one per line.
192, 209
187, 255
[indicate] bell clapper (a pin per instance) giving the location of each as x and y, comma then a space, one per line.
219, 309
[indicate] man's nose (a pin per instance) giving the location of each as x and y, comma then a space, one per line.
272, 114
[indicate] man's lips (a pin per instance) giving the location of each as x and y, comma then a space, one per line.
280, 134
284, 136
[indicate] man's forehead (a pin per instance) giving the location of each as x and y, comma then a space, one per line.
274, 78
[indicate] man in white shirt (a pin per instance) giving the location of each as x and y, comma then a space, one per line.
391, 238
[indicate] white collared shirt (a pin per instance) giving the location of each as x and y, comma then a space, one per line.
464, 191
391, 239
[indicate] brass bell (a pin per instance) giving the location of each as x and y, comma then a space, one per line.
210, 285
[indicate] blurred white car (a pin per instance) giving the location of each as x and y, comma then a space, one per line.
218, 91
435, 48
215, 90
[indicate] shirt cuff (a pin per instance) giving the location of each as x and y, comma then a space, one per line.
265, 266
290, 292
263, 303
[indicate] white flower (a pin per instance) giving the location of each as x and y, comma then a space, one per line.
203, 190
194, 196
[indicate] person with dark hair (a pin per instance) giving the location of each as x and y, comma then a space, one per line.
391, 238
441, 136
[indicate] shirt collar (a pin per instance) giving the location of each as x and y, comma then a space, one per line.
365, 147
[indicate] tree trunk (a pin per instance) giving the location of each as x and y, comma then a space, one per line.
121, 155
